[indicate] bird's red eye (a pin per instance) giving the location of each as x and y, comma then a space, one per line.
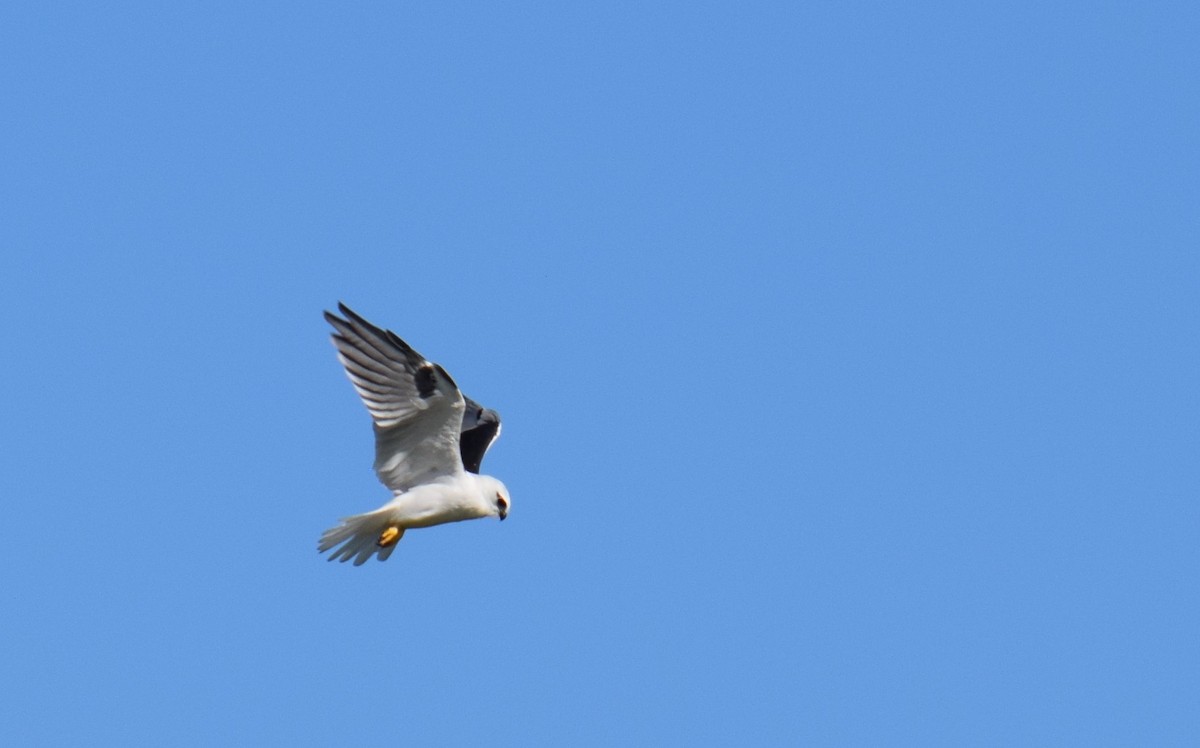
501, 502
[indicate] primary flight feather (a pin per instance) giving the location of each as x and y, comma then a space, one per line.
429, 442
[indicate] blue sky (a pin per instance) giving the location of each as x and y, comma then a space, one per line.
847, 355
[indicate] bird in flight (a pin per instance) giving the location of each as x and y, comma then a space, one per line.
429, 443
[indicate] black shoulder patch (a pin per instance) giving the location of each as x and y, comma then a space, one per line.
426, 379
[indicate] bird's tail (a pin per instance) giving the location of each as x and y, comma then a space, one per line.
363, 535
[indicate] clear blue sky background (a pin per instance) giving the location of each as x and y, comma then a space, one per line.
847, 354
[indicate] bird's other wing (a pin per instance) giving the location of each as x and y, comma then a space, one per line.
480, 427
416, 407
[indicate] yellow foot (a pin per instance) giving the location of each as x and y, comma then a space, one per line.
388, 536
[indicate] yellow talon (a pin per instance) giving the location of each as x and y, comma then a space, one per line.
388, 537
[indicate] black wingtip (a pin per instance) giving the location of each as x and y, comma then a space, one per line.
350, 313
346, 311
357, 320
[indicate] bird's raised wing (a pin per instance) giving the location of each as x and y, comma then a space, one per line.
480, 427
416, 407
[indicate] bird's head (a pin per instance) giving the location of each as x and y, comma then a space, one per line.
497, 496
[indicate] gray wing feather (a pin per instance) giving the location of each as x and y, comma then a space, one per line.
415, 405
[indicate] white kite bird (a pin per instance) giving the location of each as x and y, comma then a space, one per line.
429, 442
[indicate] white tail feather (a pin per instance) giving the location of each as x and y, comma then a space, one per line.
360, 534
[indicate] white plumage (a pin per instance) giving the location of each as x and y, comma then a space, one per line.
420, 447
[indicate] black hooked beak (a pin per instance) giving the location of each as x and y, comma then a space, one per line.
503, 513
